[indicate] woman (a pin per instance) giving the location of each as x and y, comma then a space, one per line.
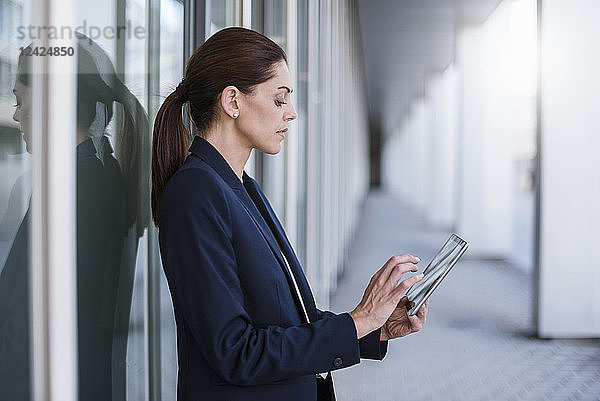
247, 324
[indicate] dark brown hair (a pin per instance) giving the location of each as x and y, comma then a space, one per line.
98, 84
233, 56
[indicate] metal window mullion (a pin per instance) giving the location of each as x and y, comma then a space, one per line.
290, 182
38, 283
246, 14
247, 5
53, 280
152, 263
312, 148
325, 161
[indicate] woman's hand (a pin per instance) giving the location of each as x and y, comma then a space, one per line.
400, 324
383, 294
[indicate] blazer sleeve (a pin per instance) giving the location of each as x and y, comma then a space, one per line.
200, 264
371, 347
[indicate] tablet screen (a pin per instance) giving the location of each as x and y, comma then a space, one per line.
435, 272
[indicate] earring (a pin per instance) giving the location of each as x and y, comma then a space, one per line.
235, 114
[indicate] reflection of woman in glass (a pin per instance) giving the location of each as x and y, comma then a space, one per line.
14, 313
247, 324
109, 222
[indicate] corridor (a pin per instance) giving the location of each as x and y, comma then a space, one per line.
477, 342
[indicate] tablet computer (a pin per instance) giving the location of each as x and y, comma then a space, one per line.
435, 272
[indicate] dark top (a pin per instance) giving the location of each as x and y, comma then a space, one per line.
241, 335
100, 271
14, 318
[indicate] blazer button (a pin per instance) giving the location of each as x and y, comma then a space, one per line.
337, 362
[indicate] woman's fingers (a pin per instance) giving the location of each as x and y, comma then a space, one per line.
404, 302
406, 284
406, 263
422, 312
398, 271
419, 319
379, 299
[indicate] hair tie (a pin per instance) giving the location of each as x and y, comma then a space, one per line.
182, 92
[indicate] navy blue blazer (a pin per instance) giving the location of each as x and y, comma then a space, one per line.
241, 333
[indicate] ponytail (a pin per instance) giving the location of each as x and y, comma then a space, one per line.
170, 143
133, 148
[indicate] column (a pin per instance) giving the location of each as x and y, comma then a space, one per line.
569, 192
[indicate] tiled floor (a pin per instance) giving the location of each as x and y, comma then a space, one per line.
477, 343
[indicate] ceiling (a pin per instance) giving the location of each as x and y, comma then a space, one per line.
405, 41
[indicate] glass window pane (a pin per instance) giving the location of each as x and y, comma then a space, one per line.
112, 199
223, 13
171, 72
272, 180
258, 15
275, 21
302, 111
15, 194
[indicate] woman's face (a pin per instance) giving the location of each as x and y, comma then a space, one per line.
264, 114
23, 111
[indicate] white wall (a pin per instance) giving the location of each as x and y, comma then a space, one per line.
485, 194
569, 298
442, 150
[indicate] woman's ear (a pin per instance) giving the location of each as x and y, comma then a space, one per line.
229, 101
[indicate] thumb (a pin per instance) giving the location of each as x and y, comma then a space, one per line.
404, 302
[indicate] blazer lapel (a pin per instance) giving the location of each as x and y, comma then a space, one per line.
207, 152
258, 207
262, 225
275, 227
